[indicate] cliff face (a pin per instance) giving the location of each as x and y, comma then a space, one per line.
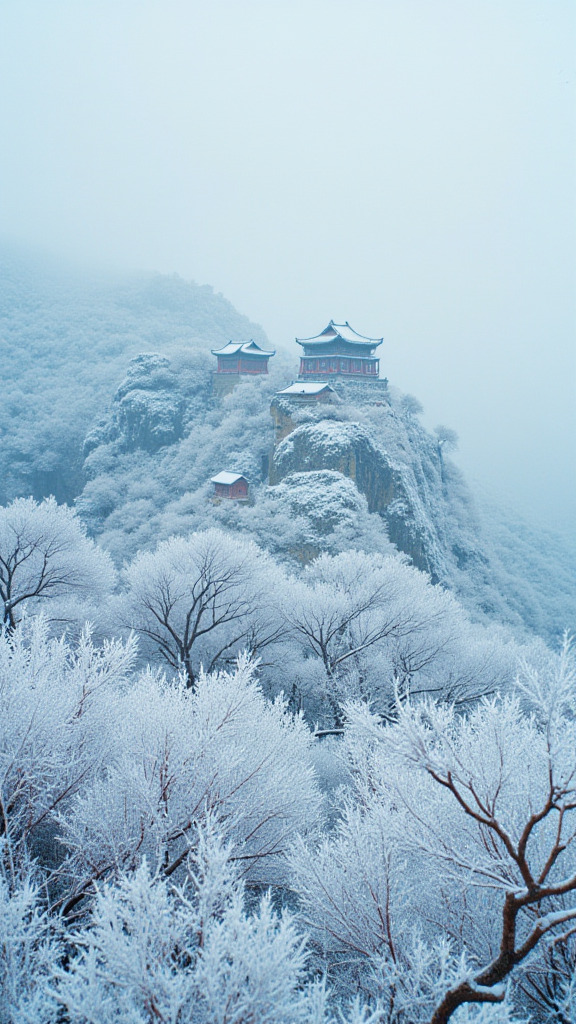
148, 410
349, 449
398, 468
344, 447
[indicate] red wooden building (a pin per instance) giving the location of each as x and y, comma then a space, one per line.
339, 352
242, 357
230, 485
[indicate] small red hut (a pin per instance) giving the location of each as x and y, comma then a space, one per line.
230, 485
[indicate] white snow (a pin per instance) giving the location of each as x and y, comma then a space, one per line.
249, 348
227, 478
306, 388
343, 331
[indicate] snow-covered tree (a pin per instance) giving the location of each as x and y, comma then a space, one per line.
411, 405
447, 439
56, 704
153, 952
179, 756
203, 598
367, 621
445, 809
44, 553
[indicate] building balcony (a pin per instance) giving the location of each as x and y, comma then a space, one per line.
338, 366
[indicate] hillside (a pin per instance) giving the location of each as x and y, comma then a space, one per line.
108, 402
65, 341
360, 474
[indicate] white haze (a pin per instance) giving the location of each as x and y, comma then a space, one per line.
406, 166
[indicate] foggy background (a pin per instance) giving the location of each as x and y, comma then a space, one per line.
407, 165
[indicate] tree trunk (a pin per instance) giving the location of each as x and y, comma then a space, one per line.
189, 673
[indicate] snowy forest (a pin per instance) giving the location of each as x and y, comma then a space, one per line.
302, 759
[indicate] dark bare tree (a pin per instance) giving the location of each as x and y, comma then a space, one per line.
200, 599
44, 553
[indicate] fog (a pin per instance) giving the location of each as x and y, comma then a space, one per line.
408, 167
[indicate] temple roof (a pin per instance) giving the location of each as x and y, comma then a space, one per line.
309, 387
227, 478
343, 331
249, 348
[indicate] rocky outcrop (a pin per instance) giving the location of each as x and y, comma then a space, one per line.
323, 505
344, 447
150, 420
148, 409
350, 449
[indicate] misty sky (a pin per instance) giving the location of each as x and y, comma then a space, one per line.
407, 165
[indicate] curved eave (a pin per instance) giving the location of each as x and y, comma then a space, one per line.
226, 351
251, 349
342, 332
318, 342
241, 351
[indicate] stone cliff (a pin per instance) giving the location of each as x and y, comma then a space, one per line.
148, 409
394, 463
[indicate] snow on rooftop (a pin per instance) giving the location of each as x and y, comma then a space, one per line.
343, 331
248, 348
310, 387
227, 478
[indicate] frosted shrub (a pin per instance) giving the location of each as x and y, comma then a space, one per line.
354, 886
179, 755
56, 703
153, 952
136, 956
251, 968
30, 950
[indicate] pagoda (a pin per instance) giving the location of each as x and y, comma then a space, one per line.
339, 352
242, 357
237, 359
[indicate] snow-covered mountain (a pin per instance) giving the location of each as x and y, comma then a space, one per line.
108, 401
